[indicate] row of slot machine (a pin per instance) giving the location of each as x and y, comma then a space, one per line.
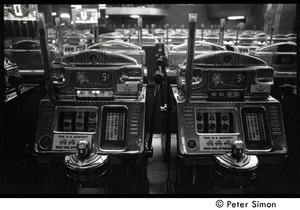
91, 129
279, 50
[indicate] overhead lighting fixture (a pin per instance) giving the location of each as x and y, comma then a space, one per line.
102, 6
76, 6
64, 15
134, 16
54, 13
235, 17
106, 16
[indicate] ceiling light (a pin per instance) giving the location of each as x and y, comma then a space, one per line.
64, 15
102, 6
76, 6
235, 17
54, 13
134, 16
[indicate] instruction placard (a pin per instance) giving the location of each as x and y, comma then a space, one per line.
260, 88
127, 87
69, 141
216, 143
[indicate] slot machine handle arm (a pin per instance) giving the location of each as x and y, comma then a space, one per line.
83, 149
45, 55
158, 78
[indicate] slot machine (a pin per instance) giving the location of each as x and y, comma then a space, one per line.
110, 36
229, 128
147, 39
74, 42
121, 47
283, 58
93, 119
177, 38
177, 54
124, 48
27, 54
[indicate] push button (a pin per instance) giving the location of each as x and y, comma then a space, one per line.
192, 144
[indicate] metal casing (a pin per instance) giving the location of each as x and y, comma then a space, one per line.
245, 49
245, 40
96, 70
121, 47
212, 38
177, 38
282, 57
235, 74
47, 127
217, 143
110, 36
74, 38
69, 49
27, 54
277, 38
147, 39
178, 54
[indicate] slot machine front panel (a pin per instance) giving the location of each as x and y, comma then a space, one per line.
207, 128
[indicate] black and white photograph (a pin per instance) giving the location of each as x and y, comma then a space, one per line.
151, 101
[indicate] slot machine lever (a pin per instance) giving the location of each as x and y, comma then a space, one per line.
237, 159
45, 55
159, 79
190, 55
222, 29
85, 161
83, 149
239, 26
